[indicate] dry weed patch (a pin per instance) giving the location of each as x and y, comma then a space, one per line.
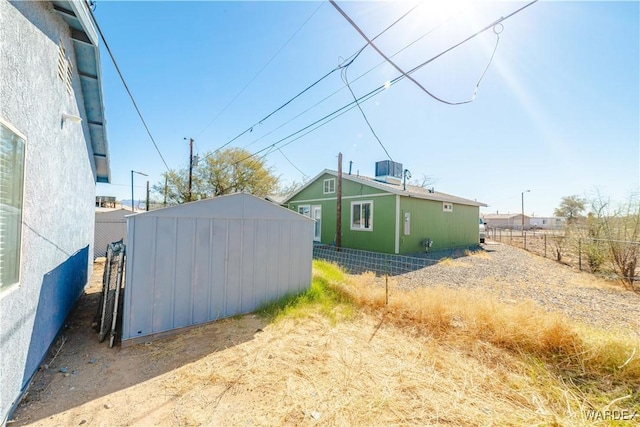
429, 356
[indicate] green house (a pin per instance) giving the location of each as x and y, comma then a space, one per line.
383, 215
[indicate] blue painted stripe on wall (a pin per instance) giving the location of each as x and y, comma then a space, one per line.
61, 288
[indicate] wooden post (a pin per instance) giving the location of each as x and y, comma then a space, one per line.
580, 254
339, 204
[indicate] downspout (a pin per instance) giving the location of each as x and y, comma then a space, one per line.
397, 245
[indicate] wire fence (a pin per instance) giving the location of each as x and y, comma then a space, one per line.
356, 261
105, 232
597, 256
107, 314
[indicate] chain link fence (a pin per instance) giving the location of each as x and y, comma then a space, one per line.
107, 314
105, 232
356, 261
603, 257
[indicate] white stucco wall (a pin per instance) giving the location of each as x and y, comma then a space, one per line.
59, 190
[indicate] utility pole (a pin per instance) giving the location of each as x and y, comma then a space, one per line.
147, 202
339, 205
522, 195
190, 166
165, 189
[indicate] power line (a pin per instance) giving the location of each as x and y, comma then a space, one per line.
405, 74
342, 110
260, 71
355, 80
346, 81
304, 175
135, 105
343, 65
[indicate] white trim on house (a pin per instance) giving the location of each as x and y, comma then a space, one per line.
411, 191
363, 222
343, 197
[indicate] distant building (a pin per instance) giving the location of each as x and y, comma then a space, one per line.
548, 222
507, 221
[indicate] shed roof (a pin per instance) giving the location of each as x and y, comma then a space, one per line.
411, 190
232, 206
85, 44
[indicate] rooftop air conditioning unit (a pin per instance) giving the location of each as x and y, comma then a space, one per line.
389, 171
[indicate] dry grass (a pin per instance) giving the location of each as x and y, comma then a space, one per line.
428, 357
338, 355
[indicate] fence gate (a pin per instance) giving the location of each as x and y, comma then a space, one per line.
107, 315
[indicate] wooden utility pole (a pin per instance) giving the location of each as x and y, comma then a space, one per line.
190, 165
339, 204
165, 189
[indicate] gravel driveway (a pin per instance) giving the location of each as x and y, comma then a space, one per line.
513, 274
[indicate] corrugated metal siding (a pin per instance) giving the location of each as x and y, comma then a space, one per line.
187, 271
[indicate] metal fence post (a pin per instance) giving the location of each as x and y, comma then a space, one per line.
525, 240
580, 254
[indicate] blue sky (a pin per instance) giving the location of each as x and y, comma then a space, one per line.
557, 111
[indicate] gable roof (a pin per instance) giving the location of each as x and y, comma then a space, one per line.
230, 206
85, 44
411, 190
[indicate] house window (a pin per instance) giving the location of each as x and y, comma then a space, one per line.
329, 186
447, 207
304, 210
362, 215
11, 186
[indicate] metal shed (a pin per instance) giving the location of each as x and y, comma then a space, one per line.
206, 260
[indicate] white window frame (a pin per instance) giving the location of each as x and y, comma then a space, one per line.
331, 183
13, 256
362, 225
303, 208
447, 207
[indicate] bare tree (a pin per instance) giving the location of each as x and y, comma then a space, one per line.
620, 229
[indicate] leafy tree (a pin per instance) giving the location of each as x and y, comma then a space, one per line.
571, 207
225, 172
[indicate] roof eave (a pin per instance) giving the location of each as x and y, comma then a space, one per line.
85, 42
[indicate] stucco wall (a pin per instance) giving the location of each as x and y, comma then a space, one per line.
59, 190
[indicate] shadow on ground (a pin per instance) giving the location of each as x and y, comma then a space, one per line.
79, 369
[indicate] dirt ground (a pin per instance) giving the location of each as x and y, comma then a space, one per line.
86, 382
246, 371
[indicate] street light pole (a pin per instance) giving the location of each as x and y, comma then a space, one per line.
522, 195
139, 173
